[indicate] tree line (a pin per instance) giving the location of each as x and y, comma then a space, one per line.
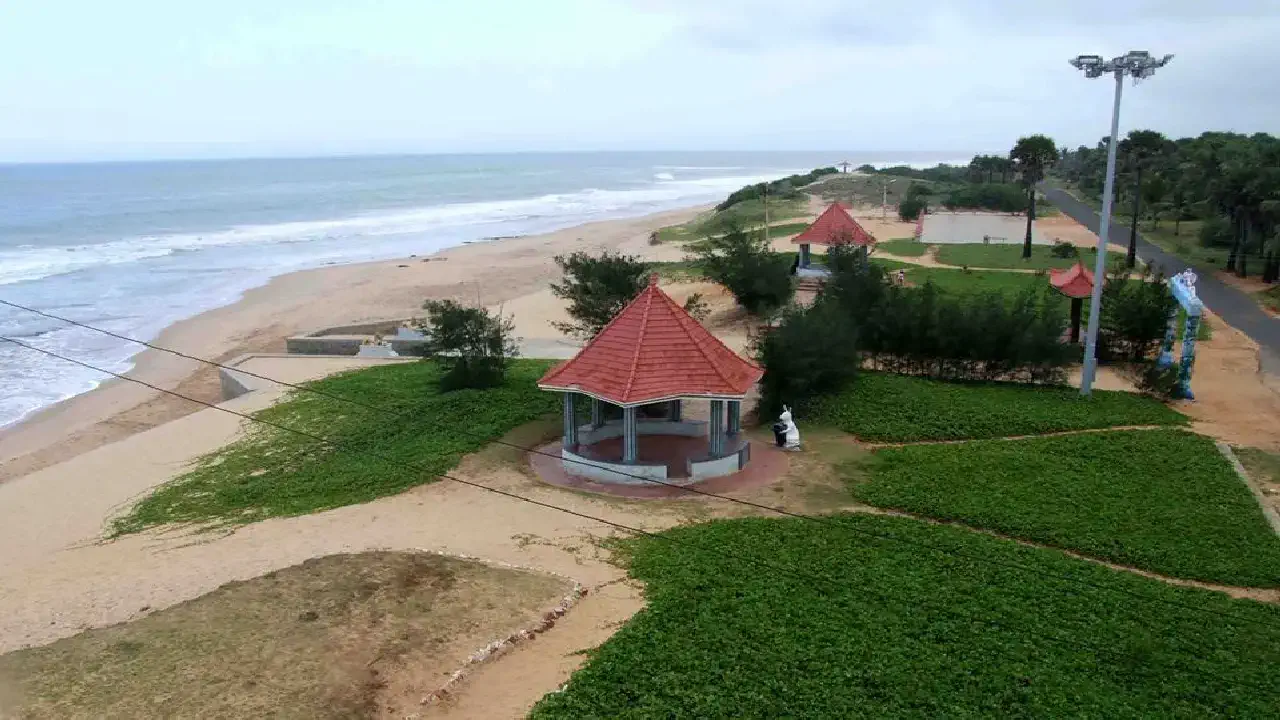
1228, 180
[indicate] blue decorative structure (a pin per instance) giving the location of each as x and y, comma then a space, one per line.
1183, 287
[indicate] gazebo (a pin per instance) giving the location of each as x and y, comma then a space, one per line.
835, 226
1076, 282
645, 362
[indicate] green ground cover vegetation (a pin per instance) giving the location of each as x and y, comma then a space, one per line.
1159, 500
903, 247
421, 431
793, 618
880, 407
982, 255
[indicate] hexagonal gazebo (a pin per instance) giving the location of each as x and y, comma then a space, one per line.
645, 362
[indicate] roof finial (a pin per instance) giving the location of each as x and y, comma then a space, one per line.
653, 279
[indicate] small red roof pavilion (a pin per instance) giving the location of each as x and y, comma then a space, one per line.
1076, 282
651, 351
835, 226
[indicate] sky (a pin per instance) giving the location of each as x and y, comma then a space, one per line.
139, 79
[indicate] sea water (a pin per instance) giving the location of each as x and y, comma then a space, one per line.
135, 247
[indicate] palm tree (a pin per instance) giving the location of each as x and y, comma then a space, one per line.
1031, 157
1140, 149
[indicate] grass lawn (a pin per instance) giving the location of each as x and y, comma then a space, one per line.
982, 255
343, 636
789, 618
1270, 298
903, 247
269, 472
881, 407
1160, 500
976, 281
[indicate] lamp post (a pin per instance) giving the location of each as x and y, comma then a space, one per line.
1138, 64
884, 199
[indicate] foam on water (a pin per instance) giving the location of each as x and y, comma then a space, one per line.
138, 285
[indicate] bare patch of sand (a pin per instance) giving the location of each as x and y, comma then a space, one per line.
1234, 402
1061, 228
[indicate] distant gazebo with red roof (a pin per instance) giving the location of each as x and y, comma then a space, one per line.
1076, 282
835, 226
650, 357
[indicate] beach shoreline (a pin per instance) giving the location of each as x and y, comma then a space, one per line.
494, 271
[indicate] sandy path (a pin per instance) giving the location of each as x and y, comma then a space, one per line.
494, 271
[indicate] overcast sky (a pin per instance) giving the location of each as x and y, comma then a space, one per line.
174, 78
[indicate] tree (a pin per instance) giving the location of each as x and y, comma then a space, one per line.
597, 288
758, 277
1031, 157
1141, 149
471, 343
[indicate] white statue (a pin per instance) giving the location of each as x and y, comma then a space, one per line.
788, 430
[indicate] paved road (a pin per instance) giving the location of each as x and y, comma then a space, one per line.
1238, 309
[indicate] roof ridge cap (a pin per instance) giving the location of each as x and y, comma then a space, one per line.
644, 326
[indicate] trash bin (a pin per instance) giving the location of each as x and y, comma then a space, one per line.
780, 434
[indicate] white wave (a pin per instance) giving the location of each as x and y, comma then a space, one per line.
664, 176
697, 167
21, 264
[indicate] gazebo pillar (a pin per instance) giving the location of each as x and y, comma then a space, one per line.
570, 440
630, 450
804, 255
735, 419
597, 414
715, 429
674, 415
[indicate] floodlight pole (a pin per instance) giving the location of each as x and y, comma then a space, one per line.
1137, 64
1104, 231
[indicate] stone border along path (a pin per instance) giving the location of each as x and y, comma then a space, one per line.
1269, 512
1269, 595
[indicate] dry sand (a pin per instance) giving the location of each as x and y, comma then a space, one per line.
495, 272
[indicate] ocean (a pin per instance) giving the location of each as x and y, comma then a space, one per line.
134, 247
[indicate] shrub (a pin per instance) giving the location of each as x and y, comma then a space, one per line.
473, 345
925, 331
1062, 249
910, 208
697, 306
810, 352
1134, 316
999, 197
758, 277
597, 288
1160, 382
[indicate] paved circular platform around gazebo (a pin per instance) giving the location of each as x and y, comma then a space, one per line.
768, 464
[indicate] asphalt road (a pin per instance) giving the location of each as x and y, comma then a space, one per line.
1238, 309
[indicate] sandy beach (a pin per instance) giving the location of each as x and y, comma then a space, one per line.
495, 272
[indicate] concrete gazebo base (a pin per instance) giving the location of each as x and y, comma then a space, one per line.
671, 454
673, 450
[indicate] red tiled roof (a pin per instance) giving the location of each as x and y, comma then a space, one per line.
1075, 281
835, 226
653, 350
